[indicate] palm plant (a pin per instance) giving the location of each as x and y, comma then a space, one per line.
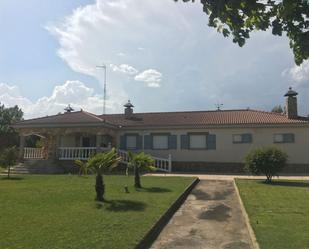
100, 163
140, 161
83, 167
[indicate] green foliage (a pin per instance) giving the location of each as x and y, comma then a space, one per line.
277, 109
105, 161
83, 167
267, 160
8, 116
239, 18
140, 161
8, 158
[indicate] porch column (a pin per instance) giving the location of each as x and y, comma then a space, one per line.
51, 145
21, 147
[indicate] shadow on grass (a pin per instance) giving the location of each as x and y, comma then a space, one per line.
121, 205
288, 183
153, 190
12, 178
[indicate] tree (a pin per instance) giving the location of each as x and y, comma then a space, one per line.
267, 160
240, 17
277, 109
8, 116
8, 158
140, 161
100, 163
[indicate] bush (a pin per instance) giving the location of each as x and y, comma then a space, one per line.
267, 160
8, 158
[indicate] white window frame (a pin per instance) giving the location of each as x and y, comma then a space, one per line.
283, 140
156, 147
131, 147
239, 139
204, 147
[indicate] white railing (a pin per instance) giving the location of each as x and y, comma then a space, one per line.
163, 164
33, 153
76, 153
84, 153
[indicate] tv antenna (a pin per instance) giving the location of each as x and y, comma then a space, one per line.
103, 66
219, 106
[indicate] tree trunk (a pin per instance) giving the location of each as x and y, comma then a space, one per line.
269, 177
9, 171
137, 178
99, 188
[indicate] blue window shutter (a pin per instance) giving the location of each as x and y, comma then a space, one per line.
139, 142
211, 142
147, 142
247, 138
184, 139
123, 142
172, 142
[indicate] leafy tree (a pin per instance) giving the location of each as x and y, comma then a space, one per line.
140, 161
8, 116
239, 18
100, 163
267, 160
8, 158
278, 109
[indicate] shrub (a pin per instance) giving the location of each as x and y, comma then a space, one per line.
8, 158
267, 160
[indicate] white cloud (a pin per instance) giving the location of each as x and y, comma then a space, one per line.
71, 92
124, 68
299, 74
152, 77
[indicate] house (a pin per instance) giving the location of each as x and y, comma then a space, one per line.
207, 141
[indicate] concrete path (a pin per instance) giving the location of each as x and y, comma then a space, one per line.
231, 177
211, 218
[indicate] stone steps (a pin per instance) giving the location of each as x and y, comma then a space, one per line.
36, 167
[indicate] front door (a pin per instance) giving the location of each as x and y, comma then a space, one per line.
86, 142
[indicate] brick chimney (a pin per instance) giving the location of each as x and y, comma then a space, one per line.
291, 104
128, 111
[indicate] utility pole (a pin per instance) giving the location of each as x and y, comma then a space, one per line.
103, 66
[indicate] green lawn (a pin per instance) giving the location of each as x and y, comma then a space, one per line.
60, 211
279, 213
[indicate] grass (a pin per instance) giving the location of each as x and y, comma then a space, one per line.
60, 211
278, 212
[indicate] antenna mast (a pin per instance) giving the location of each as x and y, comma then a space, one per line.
103, 66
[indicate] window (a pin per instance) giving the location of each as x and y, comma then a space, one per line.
242, 138
131, 142
284, 138
197, 141
160, 142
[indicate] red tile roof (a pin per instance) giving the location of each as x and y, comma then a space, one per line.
197, 118
64, 118
157, 119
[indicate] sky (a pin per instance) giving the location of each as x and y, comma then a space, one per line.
159, 54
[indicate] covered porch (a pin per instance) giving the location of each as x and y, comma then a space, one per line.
65, 143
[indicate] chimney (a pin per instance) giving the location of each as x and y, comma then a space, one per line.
291, 104
128, 111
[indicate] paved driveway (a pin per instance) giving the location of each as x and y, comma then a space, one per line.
210, 218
